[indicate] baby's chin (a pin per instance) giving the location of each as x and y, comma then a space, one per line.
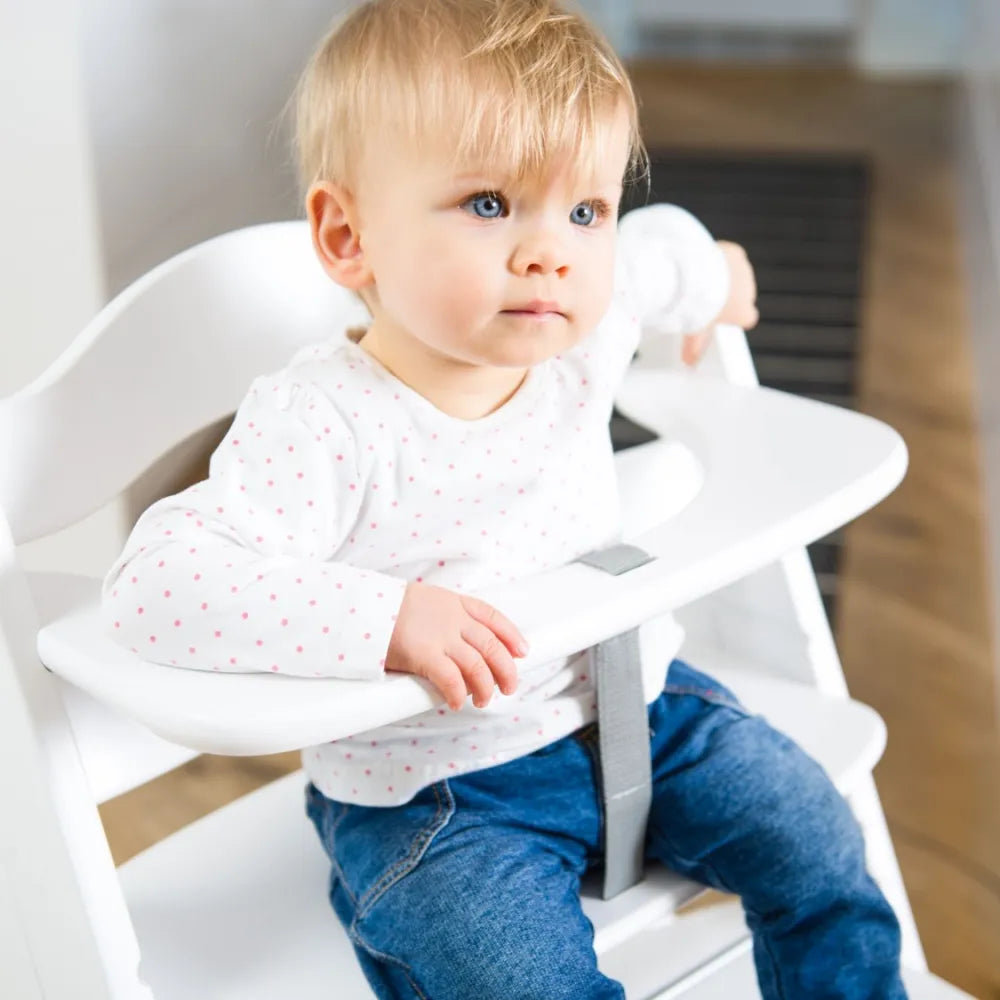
531, 347
526, 357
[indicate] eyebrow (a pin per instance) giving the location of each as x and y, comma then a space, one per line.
493, 180
477, 177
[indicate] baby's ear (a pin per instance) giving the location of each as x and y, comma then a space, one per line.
333, 221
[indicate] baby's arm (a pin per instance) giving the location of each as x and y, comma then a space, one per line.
234, 574
249, 570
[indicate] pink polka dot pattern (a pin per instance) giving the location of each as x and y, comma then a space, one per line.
236, 586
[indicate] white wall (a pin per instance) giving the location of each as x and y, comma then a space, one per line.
51, 265
184, 100
50, 258
130, 131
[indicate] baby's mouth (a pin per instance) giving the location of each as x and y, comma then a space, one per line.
538, 309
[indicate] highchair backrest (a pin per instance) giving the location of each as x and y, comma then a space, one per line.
180, 346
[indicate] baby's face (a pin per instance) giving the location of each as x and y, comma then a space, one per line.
483, 273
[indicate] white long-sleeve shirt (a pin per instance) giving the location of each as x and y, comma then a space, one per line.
337, 484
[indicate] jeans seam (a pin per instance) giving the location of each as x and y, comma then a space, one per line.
328, 838
338, 871
422, 840
358, 938
339, 819
761, 936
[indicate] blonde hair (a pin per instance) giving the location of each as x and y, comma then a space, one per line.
514, 84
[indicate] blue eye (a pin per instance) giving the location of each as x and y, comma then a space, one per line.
488, 205
583, 214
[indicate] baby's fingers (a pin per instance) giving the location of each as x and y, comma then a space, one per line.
446, 675
476, 673
490, 650
694, 346
499, 624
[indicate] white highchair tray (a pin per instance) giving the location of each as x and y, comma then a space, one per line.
798, 469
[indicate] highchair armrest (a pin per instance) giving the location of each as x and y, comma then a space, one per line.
779, 471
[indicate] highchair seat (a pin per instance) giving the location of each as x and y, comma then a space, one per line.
205, 927
234, 906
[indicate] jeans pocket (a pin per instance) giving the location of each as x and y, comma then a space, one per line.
375, 846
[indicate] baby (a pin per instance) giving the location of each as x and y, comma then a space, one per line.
464, 163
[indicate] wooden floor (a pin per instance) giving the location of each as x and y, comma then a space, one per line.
912, 622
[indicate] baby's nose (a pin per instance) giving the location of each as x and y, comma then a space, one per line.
541, 254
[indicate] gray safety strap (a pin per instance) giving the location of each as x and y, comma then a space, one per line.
617, 559
623, 727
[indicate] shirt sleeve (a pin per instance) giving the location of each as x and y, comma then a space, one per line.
671, 269
241, 572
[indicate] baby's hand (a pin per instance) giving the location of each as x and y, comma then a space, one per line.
460, 644
740, 308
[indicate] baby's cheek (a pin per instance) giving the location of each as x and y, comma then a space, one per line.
420, 291
596, 296
452, 301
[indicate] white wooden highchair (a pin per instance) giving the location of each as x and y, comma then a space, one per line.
234, 905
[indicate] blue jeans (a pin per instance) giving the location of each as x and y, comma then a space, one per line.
471, 889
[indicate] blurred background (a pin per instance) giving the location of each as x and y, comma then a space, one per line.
852, 145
